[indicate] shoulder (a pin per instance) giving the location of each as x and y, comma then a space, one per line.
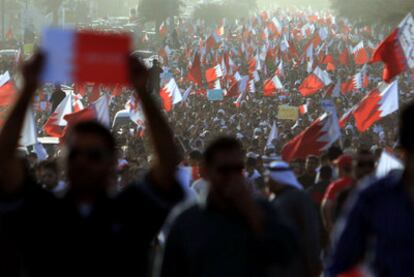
381, 186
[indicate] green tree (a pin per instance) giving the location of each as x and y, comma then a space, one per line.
383, 12
159, 10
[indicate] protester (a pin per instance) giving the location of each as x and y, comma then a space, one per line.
381, 212
297, 208
103, 234
330, 209
232, 234
265, 82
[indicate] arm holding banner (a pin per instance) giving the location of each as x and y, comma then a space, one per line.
11, 171
167, 155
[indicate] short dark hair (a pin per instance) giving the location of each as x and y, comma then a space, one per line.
48, 164
406, 130
221, 144
95, 128
196, 155
325, 172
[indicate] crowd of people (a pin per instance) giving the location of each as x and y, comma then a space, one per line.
202, 189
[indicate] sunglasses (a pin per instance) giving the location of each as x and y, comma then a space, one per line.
93, 155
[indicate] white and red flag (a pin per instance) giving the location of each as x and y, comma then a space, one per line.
360, 54
303, 109
213, 73
315, 139
316, 81
194, 74
377, 104
395, 50
272, 86
170, 94
56, 123
7, 90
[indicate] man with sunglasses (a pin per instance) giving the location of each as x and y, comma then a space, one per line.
232, 233
91, 231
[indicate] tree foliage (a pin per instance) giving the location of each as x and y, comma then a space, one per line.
231, 9
383, 12
159, 10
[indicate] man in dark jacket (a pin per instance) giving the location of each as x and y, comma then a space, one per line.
99, 234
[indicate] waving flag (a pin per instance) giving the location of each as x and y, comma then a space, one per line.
134, 110
303, 109
194, 74
344, 56
272, 135
315, 82
360, 54
274, 26
56, 123
272, 86
376, 105
7, 94
213, 73
315, 139
163, 30
394, 51
101, 107
170, 94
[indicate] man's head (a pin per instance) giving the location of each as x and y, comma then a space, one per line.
91, 157
223, 163
279, 175
195, 158
344, 166
48, 174
364, 163
312, 163
298, 166
325, 173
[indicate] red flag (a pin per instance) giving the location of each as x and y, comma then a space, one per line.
56, 123
344, 57
170, 95
391, 54
7, 94
379, 103
163, 30
213, 73
360, 54
315, 139
272, 86
314, 82
347, 86
194, 73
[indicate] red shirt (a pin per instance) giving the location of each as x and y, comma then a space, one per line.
335, 188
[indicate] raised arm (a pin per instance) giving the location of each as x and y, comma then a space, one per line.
167, 155
10, 133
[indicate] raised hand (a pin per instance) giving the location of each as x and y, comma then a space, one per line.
31, 71
138, 74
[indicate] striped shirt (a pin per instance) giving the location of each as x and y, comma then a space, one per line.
380, 223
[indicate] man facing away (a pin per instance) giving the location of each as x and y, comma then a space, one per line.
378, 225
